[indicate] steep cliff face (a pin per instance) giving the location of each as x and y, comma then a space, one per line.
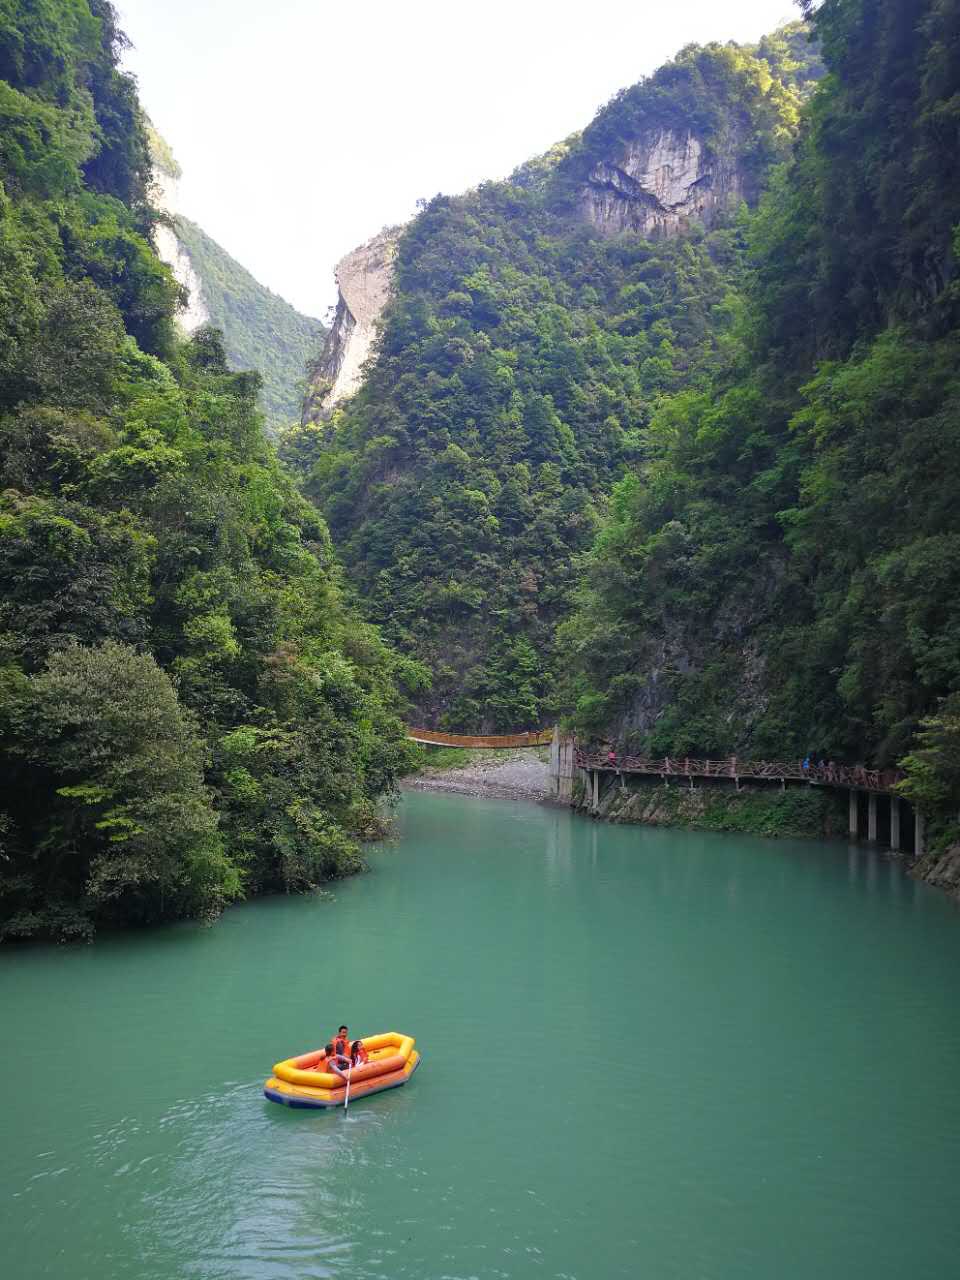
364, 279
166, 193
659, 183
260, 330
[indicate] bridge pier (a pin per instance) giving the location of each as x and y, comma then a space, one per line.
563, 764
919, 835
872, 817
596, 790
854, 815
895, 823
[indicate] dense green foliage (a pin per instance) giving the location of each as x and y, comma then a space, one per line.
260, 330
781, 573
188, 711
520, 363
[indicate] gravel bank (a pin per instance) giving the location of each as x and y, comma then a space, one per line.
515, 775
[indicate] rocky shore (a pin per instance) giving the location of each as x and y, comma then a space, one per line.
513, 775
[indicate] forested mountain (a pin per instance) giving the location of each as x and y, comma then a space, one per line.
534, 327
188, 710
260, 329
781, 574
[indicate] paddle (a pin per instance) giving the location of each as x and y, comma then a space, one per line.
346, 1096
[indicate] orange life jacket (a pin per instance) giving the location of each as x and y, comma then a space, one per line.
360, 1054
341, 1045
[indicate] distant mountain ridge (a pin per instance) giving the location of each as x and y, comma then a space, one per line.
260, 329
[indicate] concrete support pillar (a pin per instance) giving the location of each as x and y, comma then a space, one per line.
596, 790
919, 835
854, 816
895, 823
872, 817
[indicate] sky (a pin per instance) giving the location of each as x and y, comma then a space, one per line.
303, 127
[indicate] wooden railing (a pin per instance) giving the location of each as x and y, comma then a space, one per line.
836, 775
434, 738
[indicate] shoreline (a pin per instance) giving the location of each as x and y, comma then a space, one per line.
517, 775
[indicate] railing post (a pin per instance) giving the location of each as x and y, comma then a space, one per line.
895, 823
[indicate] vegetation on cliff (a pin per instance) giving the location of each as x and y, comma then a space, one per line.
780, 573
188, 709
520, 363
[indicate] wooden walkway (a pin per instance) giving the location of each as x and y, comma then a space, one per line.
854, 777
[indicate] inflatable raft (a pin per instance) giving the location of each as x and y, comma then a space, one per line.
303, 1081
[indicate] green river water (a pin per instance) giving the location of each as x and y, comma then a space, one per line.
646, 1053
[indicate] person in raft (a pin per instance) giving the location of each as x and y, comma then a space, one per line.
336, 1062
358, 1054
341, 1042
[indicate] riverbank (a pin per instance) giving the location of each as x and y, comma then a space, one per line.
504, 775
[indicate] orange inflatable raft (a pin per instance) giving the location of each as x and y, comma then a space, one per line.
304, 1082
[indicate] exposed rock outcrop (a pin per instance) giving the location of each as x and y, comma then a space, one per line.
363, 278
172, 252
662, 182
941, 869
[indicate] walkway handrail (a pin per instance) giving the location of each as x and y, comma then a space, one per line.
838, 775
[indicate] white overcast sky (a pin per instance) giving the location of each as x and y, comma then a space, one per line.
304, 126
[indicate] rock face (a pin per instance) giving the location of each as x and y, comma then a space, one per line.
363, 278
941, 869
663, 181
172, 252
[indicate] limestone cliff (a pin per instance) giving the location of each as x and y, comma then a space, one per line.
166, 192
659, 183
364, 278
260, 329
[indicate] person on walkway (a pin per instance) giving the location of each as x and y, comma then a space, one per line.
612, 758
805, 765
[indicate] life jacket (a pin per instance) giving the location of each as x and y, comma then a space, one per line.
359, 1054
341, 1046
